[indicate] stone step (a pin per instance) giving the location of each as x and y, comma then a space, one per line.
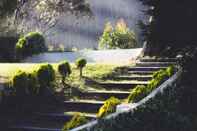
158, 59
103, 95
140, 72
154, 64
87, 106
123, 86
145, 68
134, 77
47, 121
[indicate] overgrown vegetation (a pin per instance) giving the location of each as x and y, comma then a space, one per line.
77, 120
120, 37
108, 107
159, 77
32, 43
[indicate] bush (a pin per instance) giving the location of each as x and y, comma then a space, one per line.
170, 70
64, 69
81, 63
20, 83
120, 37
108, 107
33, 87
77, 120
138, 93
32, 43
45, 75
25, 84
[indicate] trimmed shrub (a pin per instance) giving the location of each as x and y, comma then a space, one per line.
77, 120
81, 63
138, 93
25, 84
121, 37
32, 43
108, 107
170, 70
33, 87
20, 83
45, 75
64, 69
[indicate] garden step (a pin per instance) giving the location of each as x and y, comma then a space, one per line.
87, 106
134, 77
47, 121
102, 94
62, 116
158, 59
154, 64
140, 72
123, 86
145, 68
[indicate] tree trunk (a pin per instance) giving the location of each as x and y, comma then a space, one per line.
81, 75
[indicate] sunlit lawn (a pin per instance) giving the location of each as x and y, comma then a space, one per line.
93, 71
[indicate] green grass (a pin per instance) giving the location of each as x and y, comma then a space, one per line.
92, 71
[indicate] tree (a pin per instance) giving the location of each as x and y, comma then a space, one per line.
64, 69
121, 37
81, 63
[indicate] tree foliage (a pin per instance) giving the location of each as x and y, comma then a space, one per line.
121, 37
32, 43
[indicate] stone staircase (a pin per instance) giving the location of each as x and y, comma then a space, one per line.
89, 102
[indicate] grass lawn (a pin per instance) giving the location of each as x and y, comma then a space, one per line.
93, 71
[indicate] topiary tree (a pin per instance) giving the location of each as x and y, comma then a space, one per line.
32, 43
45, 76
64, 69
81, 63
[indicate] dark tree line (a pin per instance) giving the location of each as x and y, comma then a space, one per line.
172, 32
173, 26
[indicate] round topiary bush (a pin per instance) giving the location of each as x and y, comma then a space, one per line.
32, 43
81, 63
25, 83
45, 75
20, 83
64, 69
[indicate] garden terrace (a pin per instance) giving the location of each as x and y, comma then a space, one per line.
97, 88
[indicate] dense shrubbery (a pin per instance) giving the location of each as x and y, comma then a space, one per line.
32, 43
120, 37
160, 76
64, 69
81, 63
108, 107
77, 120
33, 83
